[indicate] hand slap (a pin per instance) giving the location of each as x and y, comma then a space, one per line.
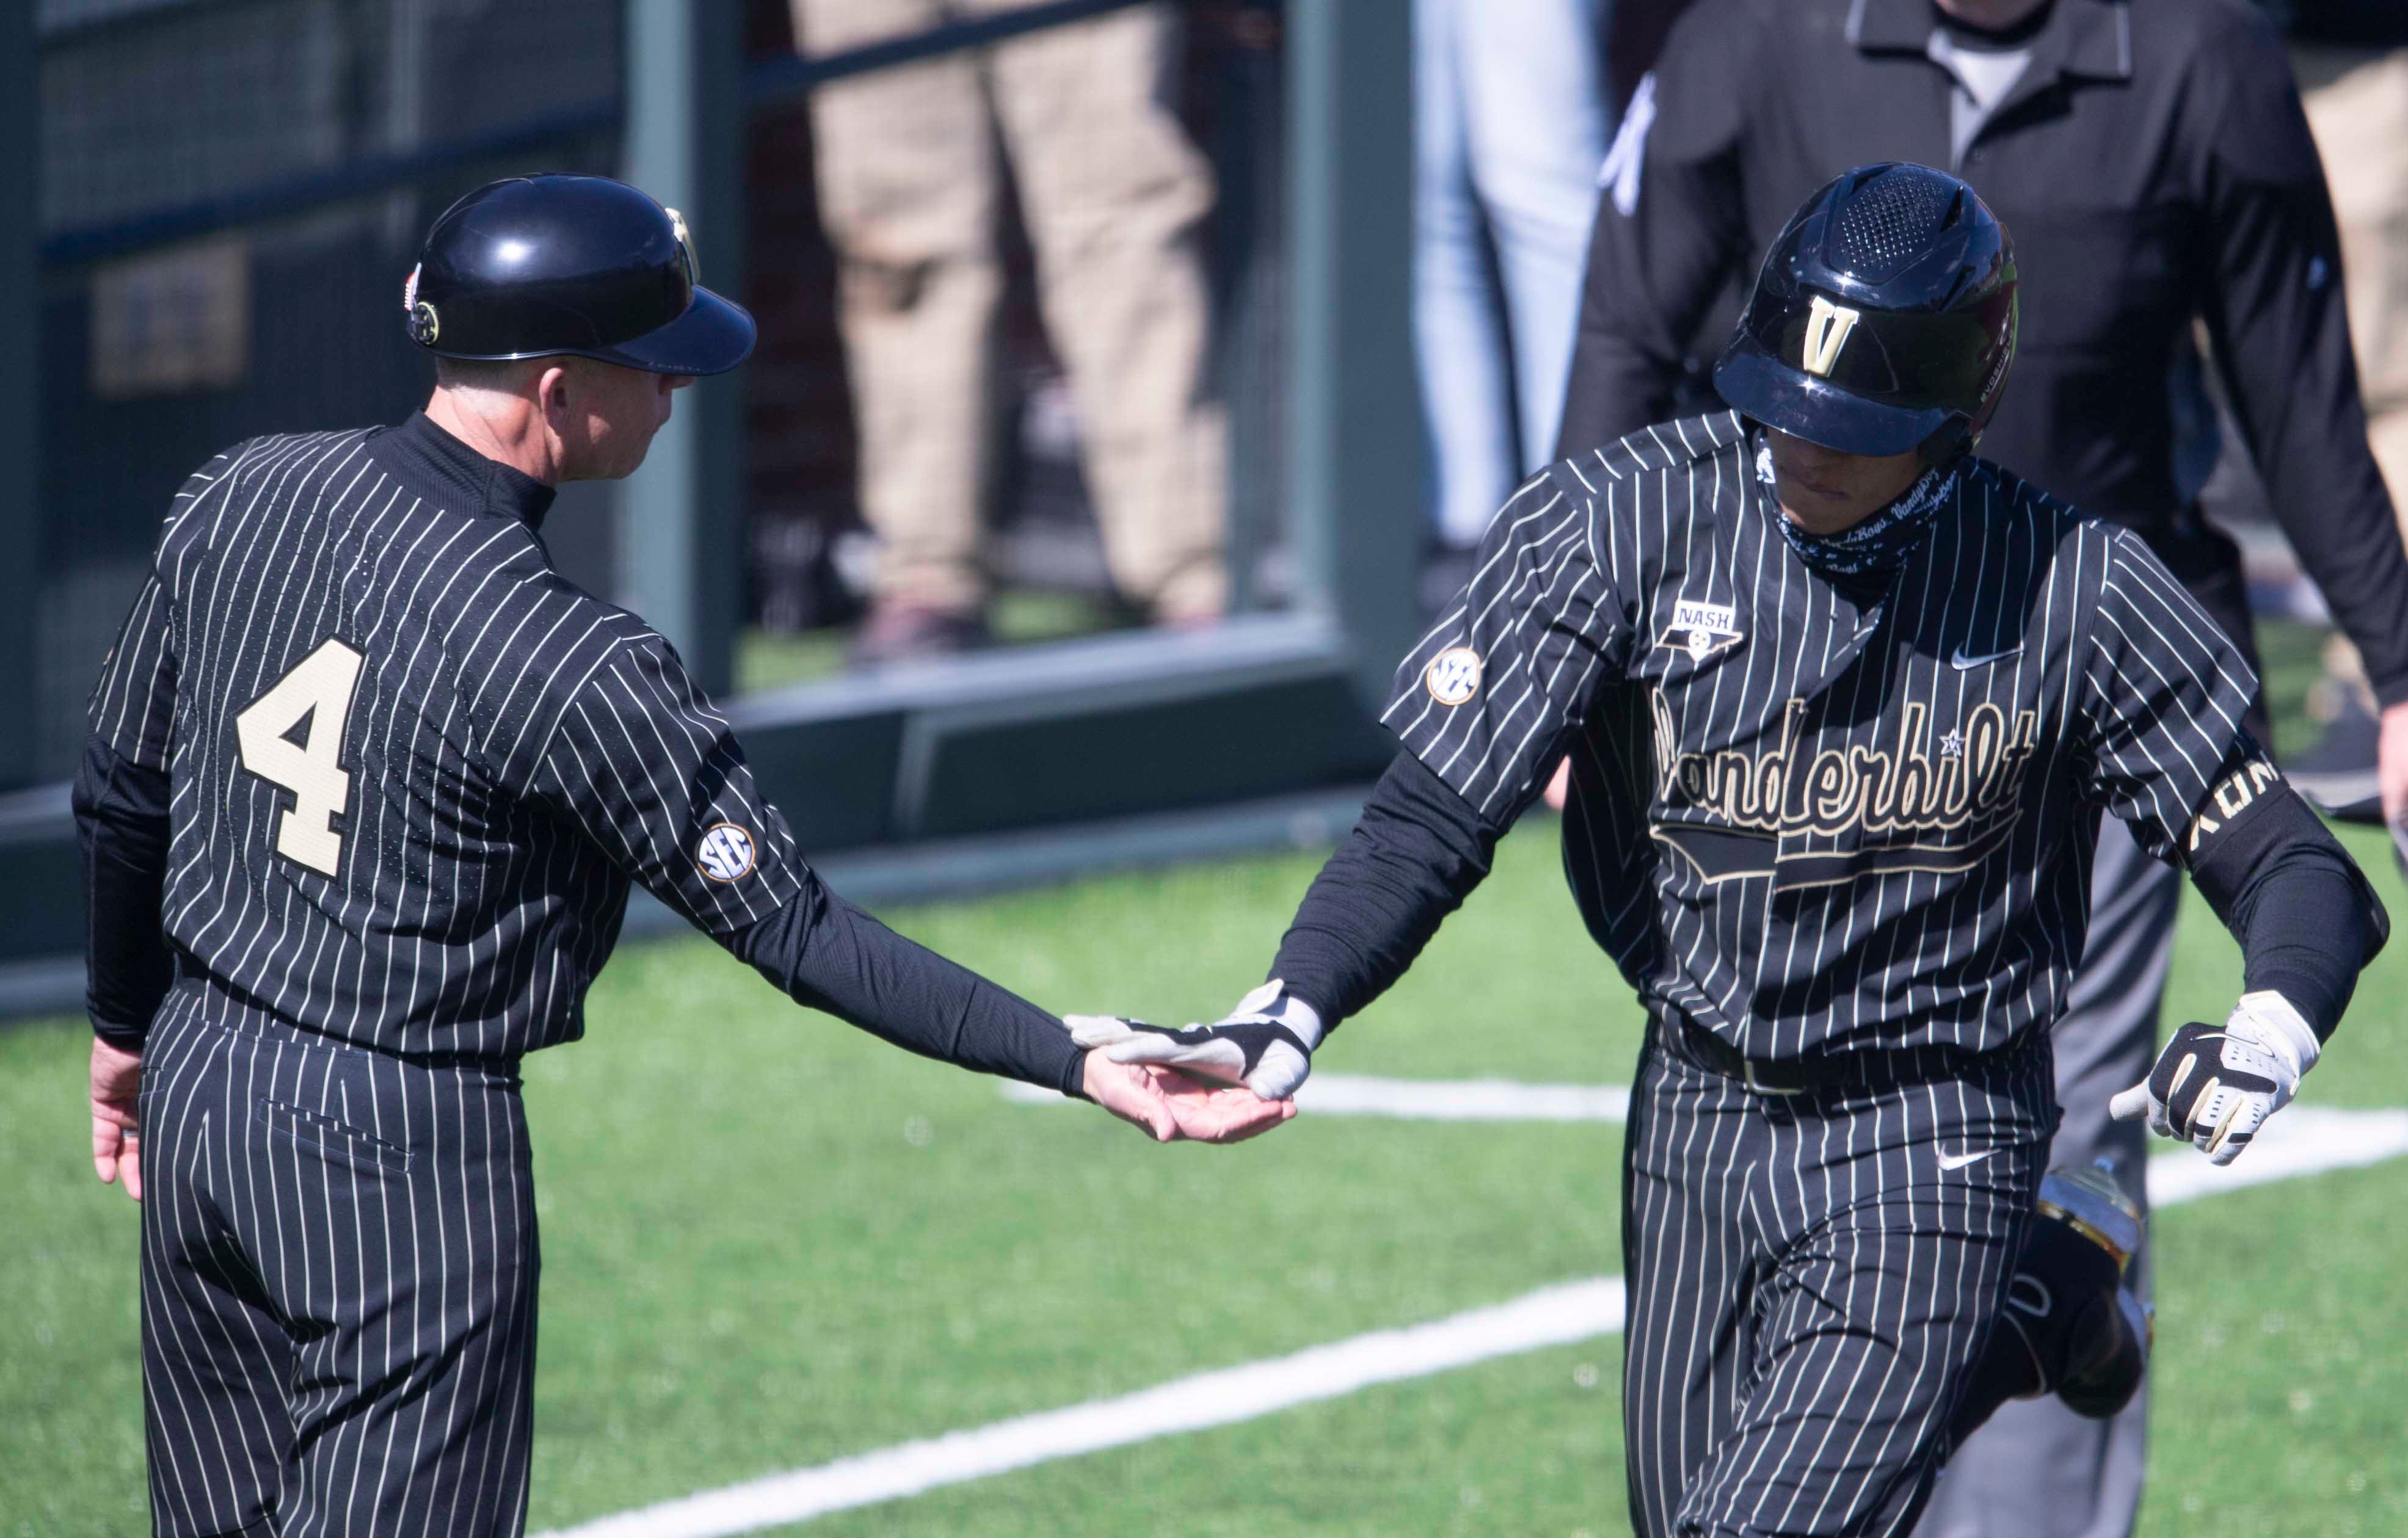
1265, 1044
1130, 1094
1214, 1113
1169, 1108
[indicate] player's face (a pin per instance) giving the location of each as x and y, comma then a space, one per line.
605, 416
1824, 490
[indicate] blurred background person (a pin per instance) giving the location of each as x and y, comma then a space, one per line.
1510, 120
2352, 59
911, 163
2156, 168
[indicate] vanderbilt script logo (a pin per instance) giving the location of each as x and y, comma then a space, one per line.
1894, 788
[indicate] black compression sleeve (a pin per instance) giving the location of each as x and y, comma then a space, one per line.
122, 822
1414, 856
2306, 918
827, 954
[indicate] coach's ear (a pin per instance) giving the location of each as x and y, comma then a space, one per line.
559, 413
551, 398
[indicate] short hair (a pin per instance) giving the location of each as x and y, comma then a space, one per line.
497, 373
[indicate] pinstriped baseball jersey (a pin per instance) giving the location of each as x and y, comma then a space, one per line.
1810, 822
408, 760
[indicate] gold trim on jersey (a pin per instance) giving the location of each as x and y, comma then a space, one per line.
2232, 795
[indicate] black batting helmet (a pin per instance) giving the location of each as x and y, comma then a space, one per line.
538, 267
1884, 319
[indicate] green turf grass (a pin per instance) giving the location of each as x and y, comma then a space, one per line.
771, 1241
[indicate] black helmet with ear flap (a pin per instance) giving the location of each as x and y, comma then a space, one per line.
1882, 321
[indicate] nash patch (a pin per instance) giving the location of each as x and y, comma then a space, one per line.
1701, 630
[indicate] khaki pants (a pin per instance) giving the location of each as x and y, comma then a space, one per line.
1114, 199
2357, 108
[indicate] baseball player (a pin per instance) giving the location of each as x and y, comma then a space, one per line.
366, 785
1843, 705
2154, 167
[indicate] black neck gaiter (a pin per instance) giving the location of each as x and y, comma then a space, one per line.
1881, 543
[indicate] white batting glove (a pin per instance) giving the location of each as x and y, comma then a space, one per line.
2214, 1087
1265, 1044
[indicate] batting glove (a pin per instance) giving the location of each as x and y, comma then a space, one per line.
1265, 1044
2216, 1087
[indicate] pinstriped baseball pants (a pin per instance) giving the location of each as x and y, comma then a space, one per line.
1811, 1279
338, 1286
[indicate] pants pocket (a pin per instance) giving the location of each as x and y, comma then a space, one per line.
331, 1137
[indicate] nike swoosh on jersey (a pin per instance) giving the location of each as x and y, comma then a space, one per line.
1957, 1161
1958, 661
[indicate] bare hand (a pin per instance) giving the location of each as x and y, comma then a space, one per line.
1218, 1113
116, 1126
1170, 1106
1130, 1095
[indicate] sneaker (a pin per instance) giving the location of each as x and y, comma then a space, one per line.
2088, 1337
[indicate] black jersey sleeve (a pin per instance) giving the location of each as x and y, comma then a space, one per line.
120, 806
643, 765
2161, 696
2164, 695
649, 769
827, 954
2306, 917
1414, 855
1488, 696
132, 710
121, 810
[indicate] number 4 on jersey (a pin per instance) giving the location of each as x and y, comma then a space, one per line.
317, 690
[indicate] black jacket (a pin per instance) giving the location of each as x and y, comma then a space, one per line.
2152, 165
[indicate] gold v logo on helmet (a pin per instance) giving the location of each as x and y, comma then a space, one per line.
1827, 332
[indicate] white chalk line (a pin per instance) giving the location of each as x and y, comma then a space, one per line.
2300, 1141
2303, 1140
1553, 1315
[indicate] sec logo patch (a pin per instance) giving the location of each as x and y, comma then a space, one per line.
1452, 675
725, 853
